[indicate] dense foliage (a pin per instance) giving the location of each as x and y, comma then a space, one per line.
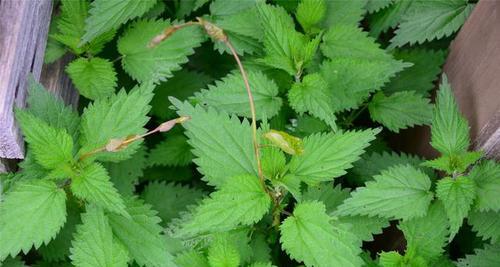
304, 175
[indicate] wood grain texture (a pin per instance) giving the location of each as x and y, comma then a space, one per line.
23, 35
55, 80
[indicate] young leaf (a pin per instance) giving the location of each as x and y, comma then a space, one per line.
52, 148
312, 95
223, 253
240, 201
71, 26
170, 199
24, 210
450, 131
486, 224
486, 177
400, 110
327, 156
431, 19
94, 78
454, 163
427, 235
229, 95
309, 237
94, 244
106, 15
353, 79
399, 192
141, 234
222, 144
118, 116
157, 63
420, 76
50, 108
310, 13
93, 185
487, 257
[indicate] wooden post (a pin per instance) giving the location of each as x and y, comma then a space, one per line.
23, 34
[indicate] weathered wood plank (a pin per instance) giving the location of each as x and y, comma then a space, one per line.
23, 34
473, 68
55, 80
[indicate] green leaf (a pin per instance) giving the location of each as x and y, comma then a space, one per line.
331, 196
400, 192
173, 151
486, 257
24, 210
327, 156
50, 108
389, 17
486, 224
376, 5
93, 185
454, 163
310, 12
222, 144
273, 162
125, 174
400, 110
94, 78
230, 95
348, 41
191, 258
285, 48
486, 176
58, 249
344, 12
52, 148
141, 234
223, 211
72, 23
106, 15
353, 79
54, 49
156, 64
13, 262
240, 22
170, 199
421, 76
186, 7
450, 131
94, 244
371, 165
313, 95
391, 259
431, 19
365, 227
223, 252
119, 116
427, 235
309, 237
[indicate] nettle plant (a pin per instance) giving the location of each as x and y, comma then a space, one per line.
298, 172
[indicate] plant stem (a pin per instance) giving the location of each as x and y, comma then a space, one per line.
252, 111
